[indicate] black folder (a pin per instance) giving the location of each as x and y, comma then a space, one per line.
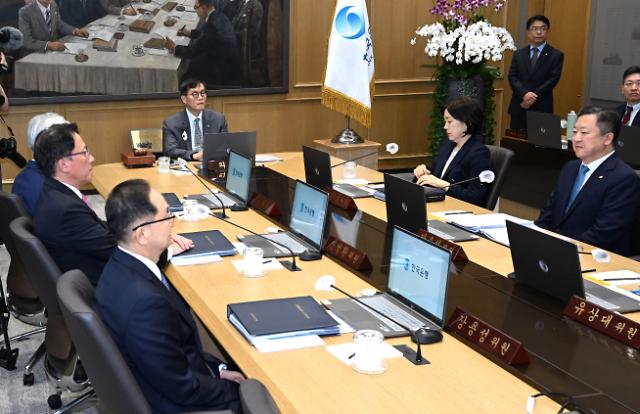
279, 316
208, 242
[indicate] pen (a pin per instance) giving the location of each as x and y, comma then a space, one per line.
457, 212
352, 355
266, 261
588, 270
613, 279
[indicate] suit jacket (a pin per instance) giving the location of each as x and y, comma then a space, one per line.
213, 52
28, 185
176, 128
541, 79
72, 233
78, 13
621, 111
34, 28
157, 337
604, 210
472, 158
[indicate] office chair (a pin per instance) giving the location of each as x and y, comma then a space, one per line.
501, 159
61, 362
112, 379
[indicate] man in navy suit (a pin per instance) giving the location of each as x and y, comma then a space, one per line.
148, 320
63, 220
535, 70
628, 111
183, 133
28, 183
597, 196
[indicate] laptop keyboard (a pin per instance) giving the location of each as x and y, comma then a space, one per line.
287, 240
601, 302
439, 233
392, 311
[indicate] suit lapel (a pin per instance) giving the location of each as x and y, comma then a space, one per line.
40, 18
186, 129
459, 157
206, 122
73, 197
593, 182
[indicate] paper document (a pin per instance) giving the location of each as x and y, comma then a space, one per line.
187, 261
267, 264
74, 48
477, 222
101, 33
283, 344
625, 282
264, 158
163, 52
352, 181
344, 351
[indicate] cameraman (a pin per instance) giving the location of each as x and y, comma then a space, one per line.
4, 101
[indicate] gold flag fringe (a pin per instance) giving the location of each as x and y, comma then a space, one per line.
344, 104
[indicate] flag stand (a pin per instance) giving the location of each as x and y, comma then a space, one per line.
347, 135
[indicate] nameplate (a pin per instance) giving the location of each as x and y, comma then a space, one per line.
131, 160
347, 254
488, 338
266, 205
457, 252
342, 201
217, 168
611, 324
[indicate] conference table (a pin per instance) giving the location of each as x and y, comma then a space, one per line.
564, 355
121, 72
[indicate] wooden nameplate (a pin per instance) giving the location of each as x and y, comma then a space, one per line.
616, 326
488, 338
168, 6
142, 26
130, 160
104, 46
340, 200
265, 204
457, 252
347, 254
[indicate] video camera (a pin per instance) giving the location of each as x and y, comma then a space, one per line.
10, 39
9, 149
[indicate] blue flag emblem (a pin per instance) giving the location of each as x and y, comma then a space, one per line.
349, 24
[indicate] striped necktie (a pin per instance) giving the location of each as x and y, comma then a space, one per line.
627, 115
197, 135
47, 18
534, 56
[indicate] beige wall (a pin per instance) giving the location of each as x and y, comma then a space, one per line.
286, 121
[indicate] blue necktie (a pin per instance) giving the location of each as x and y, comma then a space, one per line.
165, 282
582, 173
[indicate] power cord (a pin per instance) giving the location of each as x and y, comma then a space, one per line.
568, 403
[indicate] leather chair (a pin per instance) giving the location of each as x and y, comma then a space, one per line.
501, 159
112, 379
61, 361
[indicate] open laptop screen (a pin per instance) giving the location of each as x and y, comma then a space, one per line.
308, 212
419, 274
239, 175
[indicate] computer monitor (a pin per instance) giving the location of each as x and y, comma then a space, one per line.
239, 175
419, 274
216, 146
308, 213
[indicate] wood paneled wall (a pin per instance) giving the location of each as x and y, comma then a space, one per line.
287, 121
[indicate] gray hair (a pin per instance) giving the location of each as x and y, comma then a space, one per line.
39, 123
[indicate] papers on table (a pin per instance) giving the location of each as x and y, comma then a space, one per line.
492, 225
625, 282
352, 181
186, 16
163, 52
75, 48
188, 261
283, 344
268, 264
264, 158
344, 351
97, 32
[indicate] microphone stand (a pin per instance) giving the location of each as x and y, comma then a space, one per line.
461, 182
290, 265
223, 214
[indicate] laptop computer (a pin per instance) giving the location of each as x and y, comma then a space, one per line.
405, 203
543, 129
306, 225
552, 265
216, 146
416, 290
317, 171
237, 184
431, 194
628, 146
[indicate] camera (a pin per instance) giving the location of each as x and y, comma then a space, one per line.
9, 149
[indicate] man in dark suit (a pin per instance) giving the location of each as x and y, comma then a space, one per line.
535, 70
63, 220
80, 13
213, 50
183, 133
41, 26
148, 321
597, 196
628, 111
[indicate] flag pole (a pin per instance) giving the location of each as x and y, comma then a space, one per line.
347, 135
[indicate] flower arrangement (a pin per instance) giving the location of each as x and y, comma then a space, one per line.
464, 41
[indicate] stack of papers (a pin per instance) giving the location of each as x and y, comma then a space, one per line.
492, 225
625, 282
97, 32
74, 48
264, 158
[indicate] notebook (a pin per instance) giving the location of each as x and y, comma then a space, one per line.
216, 146
552, 265
206, 243
543, 129
416, 290
306, 226
628, 146
317, 171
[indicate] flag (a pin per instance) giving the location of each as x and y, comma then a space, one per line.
348, 82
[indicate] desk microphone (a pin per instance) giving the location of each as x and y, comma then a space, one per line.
391, 148
486, 176
222, 215
290, 265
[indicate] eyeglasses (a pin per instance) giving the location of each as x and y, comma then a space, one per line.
196, 6
195, 95
86, 152
540, 29
171, 216
629, 84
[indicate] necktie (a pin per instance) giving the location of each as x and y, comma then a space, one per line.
86, 200
165, 282
197, 135
627, 115
534, 56
47, 18
577, 185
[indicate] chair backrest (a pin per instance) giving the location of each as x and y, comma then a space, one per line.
255, 398
106, 368
501, 159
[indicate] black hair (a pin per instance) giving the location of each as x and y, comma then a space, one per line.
54, 144
538, 18
630, 71
606, 119
468, 110
190, 83
128, 202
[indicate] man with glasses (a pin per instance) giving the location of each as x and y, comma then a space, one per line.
149, 322
631, 91
63, 220
535, 70
183, 133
